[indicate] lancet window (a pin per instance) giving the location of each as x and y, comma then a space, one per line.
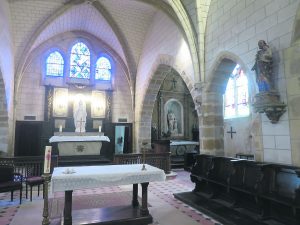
80, 61
236, 103
55, 64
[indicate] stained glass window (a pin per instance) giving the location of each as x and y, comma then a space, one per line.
55, 64
236, 95
80, 61
103, 69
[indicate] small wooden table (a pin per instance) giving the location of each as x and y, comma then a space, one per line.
74, 178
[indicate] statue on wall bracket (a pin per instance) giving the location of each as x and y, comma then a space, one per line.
268, 99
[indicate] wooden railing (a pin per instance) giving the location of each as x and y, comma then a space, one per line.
160, 160
28, 165
34, 165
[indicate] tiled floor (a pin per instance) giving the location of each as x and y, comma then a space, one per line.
165, 209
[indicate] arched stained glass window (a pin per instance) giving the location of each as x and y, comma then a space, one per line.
103, 69
80, 61
55, 65
236, 96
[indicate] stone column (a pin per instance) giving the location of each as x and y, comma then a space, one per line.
211, 124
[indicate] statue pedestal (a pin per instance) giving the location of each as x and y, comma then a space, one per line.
269, 103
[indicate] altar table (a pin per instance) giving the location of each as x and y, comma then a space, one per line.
79, 145
85, 177
179, 147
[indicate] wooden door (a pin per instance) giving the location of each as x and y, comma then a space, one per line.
28, 138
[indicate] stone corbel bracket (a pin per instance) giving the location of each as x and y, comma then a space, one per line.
269, 103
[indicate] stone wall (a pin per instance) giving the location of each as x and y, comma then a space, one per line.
31, 92
236, 26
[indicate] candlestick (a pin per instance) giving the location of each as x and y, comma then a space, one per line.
100, 129
60, 128
46, 219
144, 154
47, 161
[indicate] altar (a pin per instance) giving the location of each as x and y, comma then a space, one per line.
179, 147
74, 178
72, 143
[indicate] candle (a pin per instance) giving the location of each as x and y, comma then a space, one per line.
47, 161
60, 128
99, 128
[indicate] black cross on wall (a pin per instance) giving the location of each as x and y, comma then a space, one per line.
174, 81
231, 132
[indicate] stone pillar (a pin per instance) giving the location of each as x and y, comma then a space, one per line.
291, 59
211, 124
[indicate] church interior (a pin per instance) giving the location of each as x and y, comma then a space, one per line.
207, 91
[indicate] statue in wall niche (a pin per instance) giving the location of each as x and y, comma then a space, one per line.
172, 123
80, 114
263, 67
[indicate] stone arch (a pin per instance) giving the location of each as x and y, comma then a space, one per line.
223, 65
159, 71
296, 28
27, 50
190, 34
3, 119
69, 35
212, 122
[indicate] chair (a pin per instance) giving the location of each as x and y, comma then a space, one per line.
33, 181
10, 181
33, 178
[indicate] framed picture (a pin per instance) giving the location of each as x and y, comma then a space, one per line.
98, 104
60, 102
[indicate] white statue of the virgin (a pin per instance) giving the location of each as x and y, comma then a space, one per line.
79, 113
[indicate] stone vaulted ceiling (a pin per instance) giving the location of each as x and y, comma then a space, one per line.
131, 18
121, 24
90, 21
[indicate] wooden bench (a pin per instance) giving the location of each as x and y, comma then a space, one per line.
281, 192
245, 184
200, 171
271, 191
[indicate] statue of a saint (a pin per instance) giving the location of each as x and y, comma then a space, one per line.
172, 123
80, 117
263, 67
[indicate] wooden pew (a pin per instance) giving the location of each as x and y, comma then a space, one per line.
270, 191
281, 193
199, 173
245, 184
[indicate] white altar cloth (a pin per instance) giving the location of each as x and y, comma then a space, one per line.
85, 177
78, 138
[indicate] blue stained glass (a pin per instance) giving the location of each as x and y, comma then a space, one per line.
55, 65
80, 61
103, 69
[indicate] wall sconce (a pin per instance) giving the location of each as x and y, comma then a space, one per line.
268, 103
